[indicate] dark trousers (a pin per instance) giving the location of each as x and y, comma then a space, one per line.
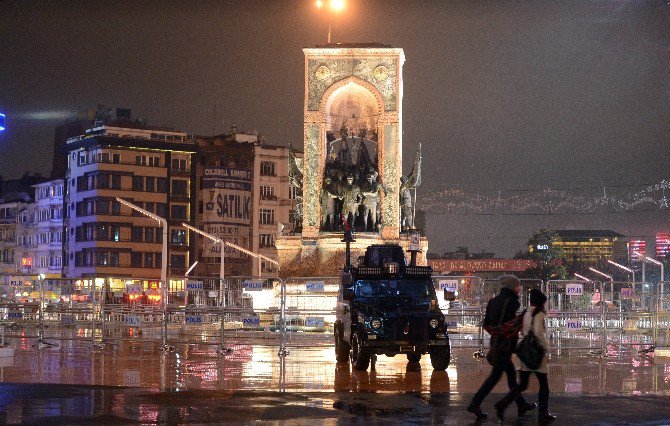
542, 395
494, 378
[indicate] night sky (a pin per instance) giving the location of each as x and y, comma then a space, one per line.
505, 97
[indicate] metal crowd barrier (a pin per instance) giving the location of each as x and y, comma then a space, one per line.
589, 315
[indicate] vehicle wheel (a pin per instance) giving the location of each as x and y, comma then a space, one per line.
440, 357
360, 357
341, 347
413, 357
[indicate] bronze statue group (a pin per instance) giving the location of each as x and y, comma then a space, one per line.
352, 189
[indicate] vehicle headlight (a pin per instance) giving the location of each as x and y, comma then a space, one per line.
376, 323
434, 323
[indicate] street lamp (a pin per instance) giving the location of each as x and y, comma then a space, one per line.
601, 273
620, 266
333, 6
216, 240
581, 277
654, 261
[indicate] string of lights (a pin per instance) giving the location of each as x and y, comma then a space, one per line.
650, 198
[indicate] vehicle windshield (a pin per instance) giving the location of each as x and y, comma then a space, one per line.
422, 289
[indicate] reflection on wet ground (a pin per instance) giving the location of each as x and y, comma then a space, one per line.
307, 369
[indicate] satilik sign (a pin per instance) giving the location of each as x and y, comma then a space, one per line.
227, 202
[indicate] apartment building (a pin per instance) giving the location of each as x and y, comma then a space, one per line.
244, 197
8, 214
47, 218
147, 166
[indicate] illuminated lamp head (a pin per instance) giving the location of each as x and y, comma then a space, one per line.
2, 122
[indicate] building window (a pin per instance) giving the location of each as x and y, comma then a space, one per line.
136, 233
268, 192
179, 187
155, 161
177, 261
267, 216
268, 168
178, 237
178, 211
138, 183
162, 185
150, 184
179, 164
116, 158
136, 259
267, 240
149, 235
293, 192
148, 260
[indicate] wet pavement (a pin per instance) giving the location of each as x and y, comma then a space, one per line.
133, 381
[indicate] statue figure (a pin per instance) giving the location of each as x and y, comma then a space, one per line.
371, 199
351, 199
295, 167
407, 183
328, 196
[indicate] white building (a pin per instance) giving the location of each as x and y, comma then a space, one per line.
48, 229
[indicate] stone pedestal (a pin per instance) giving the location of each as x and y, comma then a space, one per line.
324, 256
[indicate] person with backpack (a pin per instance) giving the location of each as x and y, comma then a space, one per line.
502, 323
533, 321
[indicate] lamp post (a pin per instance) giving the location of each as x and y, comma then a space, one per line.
601, 273
216, 240
582, 277
625, 268
655, 262
164, 261
332, 6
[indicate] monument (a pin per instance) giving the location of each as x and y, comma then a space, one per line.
351, 169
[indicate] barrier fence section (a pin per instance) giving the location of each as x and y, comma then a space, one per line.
463, 315
300, 311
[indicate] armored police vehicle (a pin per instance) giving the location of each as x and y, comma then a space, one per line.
387, 307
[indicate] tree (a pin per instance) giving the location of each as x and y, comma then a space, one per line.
547, 257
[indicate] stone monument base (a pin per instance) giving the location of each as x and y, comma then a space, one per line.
324, 256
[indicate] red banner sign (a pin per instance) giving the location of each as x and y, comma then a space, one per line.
481, 265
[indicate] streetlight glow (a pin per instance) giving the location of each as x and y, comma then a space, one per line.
620, 266
601, 273
654, 261
333, 6
337, 5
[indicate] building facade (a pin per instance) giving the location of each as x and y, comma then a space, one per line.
589, 247
8, 241
244, 197
48, 228
149, 167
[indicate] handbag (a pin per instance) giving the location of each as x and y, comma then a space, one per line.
501, 347
529, 350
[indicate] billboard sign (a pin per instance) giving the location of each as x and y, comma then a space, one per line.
227, 202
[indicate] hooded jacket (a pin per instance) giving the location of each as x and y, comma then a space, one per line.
494, 309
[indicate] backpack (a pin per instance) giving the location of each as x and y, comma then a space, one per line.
529, 350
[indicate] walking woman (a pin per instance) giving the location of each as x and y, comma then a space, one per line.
534, 317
